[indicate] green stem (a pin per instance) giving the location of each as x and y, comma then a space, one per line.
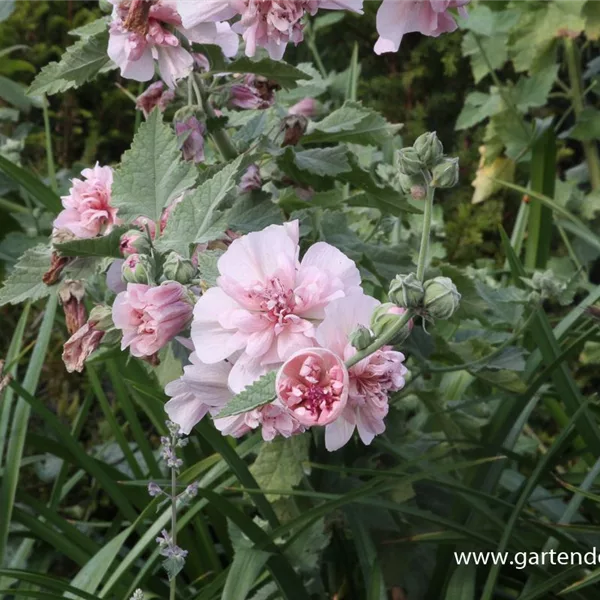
49, 154
424, 249
312, 46
173, 581
578, 100
219, 135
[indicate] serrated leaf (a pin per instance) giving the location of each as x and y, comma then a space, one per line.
478, 107
25, 281
352, 123
152, 172
326, 162
276, 70
80, 63
106, 245
531, 92
197, 218
253, 212
261, 392
92, 28
207, 266
278, 465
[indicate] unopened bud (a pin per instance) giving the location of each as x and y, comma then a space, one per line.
101, 318
134, 241
409, 162
138, 268
406, 291
441, 298
429, 148
361, 337
445, 173
177, 268
385, 317
413, 185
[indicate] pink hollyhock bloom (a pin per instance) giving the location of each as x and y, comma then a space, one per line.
307, 107
266, 300
154, 95
141, 32
203, 389
251, 179
429, 17
193, 144
151, 316
270, 24
371, 380
87, 210
313, 385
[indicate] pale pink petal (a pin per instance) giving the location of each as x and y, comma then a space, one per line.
193, 12
338, 433
174, 63
246, 371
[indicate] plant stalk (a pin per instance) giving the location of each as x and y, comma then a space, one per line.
173, 581
424, 249
49, 153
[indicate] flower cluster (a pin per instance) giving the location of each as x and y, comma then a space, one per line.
272, 311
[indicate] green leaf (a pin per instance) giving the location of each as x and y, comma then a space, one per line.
106, 245
207, 266
6, 9
197, 218
254, 212
478, 107
587, 126
80, 63
495, 49
243, 572
92, 28
260, 392
324, 162
152, 172
25, 281
275, 70
278, 465
352, 123
462, 583
531, 92
14, 93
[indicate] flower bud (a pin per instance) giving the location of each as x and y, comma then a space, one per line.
409, 162
429, 148
101, 318
134, 241
177, 268
445, 173
441, 298
413, 185
406, 291
361, 337
138, 268
386, 316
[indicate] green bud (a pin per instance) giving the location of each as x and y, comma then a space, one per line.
386, 316
361, 337
429, 148
441, 298
409, 162
177, 268
413, 185
138, 268
135, 241
101, 317
445, 173
406, 291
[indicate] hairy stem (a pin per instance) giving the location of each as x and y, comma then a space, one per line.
424, 249
173, 581
49, 153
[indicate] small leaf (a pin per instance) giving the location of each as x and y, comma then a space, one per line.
173, 566
106, 245
89, 29
587, 126
325, 162
80, 63
207, 266
260, 392
276, 70
152, 172
25, 281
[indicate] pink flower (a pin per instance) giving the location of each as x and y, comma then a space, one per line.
80, 345
87, 210
154, 95
193, 144
255, 93
203, 389
151, 316
313, 384
307, 107
429, 17
267, 301
270, 24
251, 179
371, 380
140, 33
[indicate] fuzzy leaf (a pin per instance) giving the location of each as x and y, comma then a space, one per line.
25, 281
152, 172
106, 245
89, 29
325, 162
260, 392
197, 218
80, 63
352, 123
275, 70
278, 465
207, 266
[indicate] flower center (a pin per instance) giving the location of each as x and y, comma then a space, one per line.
276, 301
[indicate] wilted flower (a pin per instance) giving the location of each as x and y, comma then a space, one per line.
87, 209
87, 339
151, 316
293, 127
307, 107
193, 144
251, 179
71, 294
429, 17
154, 95
257, 92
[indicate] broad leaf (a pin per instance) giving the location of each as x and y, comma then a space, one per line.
260, 392
275, 70
106, 245
25, 281
80, 63
324, 162
152, 172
